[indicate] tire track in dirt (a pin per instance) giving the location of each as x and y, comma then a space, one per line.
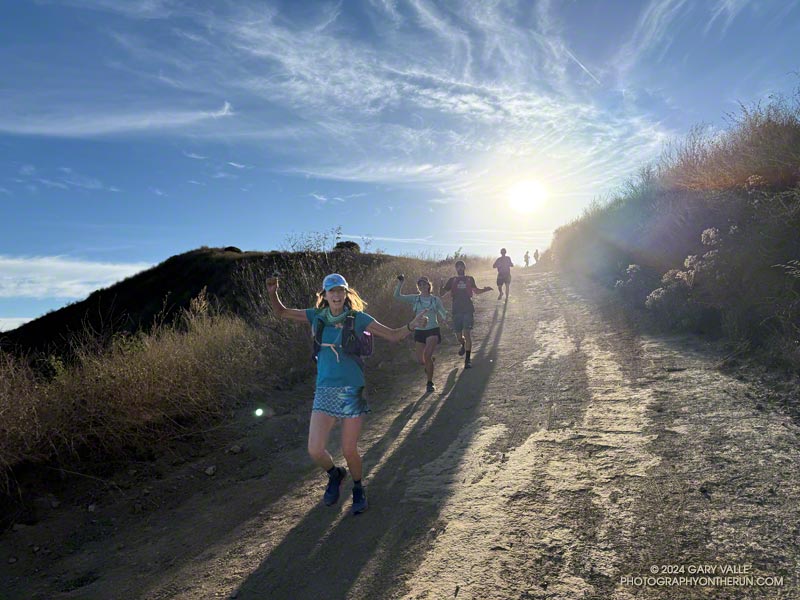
662, 460
542, 522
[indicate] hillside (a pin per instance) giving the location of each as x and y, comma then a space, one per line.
163, 291
706, 238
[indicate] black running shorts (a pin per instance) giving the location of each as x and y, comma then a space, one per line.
421, 335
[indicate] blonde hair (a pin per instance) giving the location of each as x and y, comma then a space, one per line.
352, 302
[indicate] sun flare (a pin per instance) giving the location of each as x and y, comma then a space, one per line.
524, 197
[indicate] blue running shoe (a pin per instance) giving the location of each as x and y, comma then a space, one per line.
331, 496
359, 500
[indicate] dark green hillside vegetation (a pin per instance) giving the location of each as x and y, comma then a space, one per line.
707, 238
162, 293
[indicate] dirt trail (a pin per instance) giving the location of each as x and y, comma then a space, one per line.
577, 459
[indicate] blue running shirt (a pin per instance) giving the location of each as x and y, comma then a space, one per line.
341, 371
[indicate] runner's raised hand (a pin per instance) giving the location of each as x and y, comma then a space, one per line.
420, 320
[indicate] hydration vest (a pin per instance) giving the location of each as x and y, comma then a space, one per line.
357, 346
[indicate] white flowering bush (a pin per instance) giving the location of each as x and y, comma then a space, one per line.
710, 236
636, 284
672, 304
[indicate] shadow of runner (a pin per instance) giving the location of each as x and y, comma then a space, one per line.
318, 559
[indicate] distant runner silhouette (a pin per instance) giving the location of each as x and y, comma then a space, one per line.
503, 265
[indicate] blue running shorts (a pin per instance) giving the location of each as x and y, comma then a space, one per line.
341, 402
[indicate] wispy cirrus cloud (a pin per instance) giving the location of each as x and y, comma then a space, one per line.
476, 119
74, 179
653, 32
382, 173
59, 277
431, 18
461, 96
75, 124
424, 241
53, 184
444, 200
63, 178
324, 199
140, 9
388, 8
727, 11
662, 21
551, 45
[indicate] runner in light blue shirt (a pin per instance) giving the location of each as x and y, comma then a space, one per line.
339, 392
428, 336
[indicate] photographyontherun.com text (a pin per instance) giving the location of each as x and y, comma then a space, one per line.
701, 575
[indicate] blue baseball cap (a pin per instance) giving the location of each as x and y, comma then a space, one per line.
334, 280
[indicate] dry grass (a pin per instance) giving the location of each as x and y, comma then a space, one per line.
134, 393
762, 146
21, 402
707, 229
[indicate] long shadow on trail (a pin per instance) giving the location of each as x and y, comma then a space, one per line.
323, 558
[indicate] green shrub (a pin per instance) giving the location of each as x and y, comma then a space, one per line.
347, 246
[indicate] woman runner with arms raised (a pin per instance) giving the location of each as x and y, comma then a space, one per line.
426, 338
339, 392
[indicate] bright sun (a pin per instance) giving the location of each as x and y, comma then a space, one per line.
526, 196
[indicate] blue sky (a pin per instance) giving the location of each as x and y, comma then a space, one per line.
132, 130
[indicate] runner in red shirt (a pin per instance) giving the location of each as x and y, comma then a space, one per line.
463, 287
